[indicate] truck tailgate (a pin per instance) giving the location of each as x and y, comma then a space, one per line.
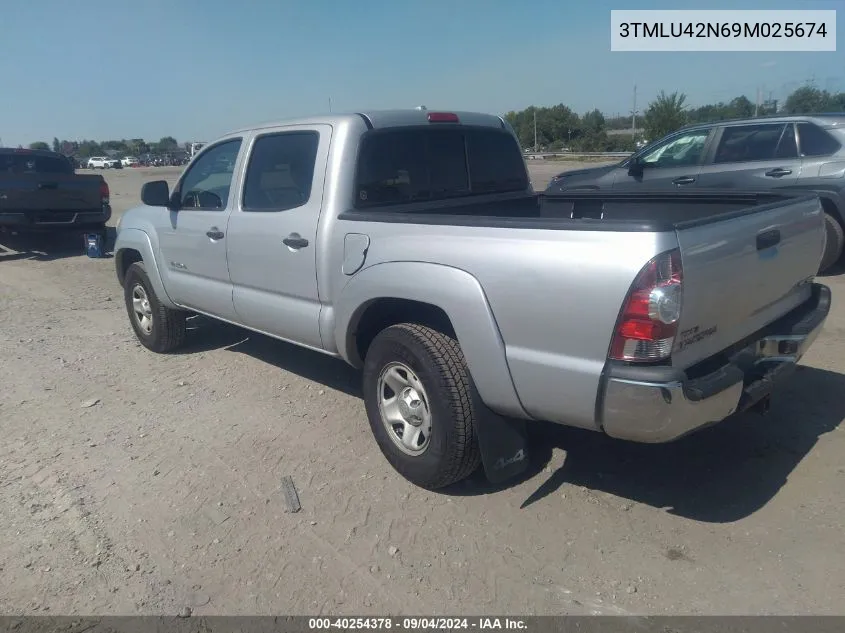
744, 270
50, 192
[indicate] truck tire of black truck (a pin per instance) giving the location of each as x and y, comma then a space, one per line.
418, 396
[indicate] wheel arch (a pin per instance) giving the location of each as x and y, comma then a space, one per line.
133, 245
830, 207
438, 296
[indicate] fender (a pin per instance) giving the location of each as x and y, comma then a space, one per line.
502, 439
136, 239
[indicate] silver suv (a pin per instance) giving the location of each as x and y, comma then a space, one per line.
799, 153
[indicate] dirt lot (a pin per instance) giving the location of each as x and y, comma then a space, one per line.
135, 483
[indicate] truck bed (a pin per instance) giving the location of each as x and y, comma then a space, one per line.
748, 259
587, 210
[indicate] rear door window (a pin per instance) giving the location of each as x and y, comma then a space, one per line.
747, 143
408, 165
280, 171
787, 147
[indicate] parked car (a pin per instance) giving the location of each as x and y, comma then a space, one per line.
411, 245
40, 192
129, 161
103, 162
797, 153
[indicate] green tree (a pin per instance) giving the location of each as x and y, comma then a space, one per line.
167, 144
137, 146
593, 133
594, 122
57, 146
118, 146
89, 148
808, 100
665, 114
741, 108
39, 145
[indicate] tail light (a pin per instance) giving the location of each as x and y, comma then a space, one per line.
104, 192
442, 117
648, 322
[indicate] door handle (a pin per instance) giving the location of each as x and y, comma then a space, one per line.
684, 180
778, 172
214, 233
48, 185
767, 239
295, 241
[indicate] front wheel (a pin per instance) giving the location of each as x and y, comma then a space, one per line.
419, 399
157, 327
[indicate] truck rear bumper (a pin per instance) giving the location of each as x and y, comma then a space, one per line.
53, 220
661, 404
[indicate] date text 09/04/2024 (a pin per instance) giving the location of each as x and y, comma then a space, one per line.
417, 623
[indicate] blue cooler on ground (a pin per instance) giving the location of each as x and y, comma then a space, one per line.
94, 244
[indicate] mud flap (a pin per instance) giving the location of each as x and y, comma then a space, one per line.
503, 443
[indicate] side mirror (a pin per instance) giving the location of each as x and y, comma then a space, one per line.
156, 194
636, 167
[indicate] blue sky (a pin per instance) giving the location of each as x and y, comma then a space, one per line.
195, 69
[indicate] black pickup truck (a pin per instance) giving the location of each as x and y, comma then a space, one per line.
40, 191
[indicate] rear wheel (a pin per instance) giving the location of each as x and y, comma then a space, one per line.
834, 242
157, 327
419, 399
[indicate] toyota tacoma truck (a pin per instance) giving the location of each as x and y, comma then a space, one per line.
40, 191
411, 245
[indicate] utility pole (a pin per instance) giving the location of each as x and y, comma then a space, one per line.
535, 130
330, 105
634, 115
757, 105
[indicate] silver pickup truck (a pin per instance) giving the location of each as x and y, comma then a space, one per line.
411, 245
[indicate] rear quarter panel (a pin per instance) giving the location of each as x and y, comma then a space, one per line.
554, 296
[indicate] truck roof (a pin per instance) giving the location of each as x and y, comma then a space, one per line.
31, 152
384, 119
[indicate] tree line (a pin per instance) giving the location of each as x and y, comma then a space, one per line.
559, 127
125, 147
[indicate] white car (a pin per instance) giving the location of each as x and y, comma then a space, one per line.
102, 162
129, 161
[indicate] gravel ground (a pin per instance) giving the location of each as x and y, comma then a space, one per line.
136, 483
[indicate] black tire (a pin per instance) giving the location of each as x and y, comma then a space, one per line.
834, 242
167, 329
103, 231
452, 451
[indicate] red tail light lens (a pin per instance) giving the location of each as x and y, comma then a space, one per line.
648, 322
442, 117
104, 192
